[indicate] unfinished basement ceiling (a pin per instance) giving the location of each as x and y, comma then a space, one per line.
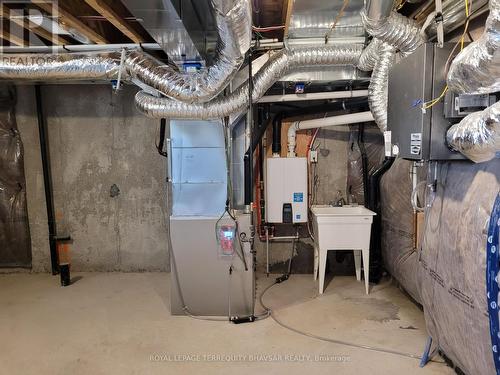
314, 19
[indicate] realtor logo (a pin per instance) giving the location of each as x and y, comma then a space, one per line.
27, 23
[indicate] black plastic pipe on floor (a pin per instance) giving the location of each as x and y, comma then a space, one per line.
374, 205
47, 180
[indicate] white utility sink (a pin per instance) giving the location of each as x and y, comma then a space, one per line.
324, 210
342, 228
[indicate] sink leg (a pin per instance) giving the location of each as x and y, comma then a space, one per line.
316, 259
322, 269
357, 264
366, 268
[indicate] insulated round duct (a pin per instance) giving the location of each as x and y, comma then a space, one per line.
278, 65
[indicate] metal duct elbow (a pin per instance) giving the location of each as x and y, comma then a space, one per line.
234, 24
24, 67
378, 10
476, 69
396, 30
277, 66
369, 56
477, 136
377, 91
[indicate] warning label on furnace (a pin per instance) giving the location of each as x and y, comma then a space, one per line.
415, 143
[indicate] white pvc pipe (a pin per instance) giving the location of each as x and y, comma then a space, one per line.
95, 47
313, 96
351, 118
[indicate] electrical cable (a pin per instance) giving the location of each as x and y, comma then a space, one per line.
460, 42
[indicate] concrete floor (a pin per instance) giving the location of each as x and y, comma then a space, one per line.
119, 323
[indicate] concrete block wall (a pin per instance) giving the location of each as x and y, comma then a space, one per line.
97, 140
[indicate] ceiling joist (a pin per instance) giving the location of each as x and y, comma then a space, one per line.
67, 19
6, 14
12, 39
105, 10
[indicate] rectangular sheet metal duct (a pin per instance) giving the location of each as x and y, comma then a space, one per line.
184, 29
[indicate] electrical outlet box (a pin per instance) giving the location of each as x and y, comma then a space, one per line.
286, 184
313, 156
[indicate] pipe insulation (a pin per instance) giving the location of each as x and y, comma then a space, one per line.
477, 136
234, 25
378, 88
396, 30
476, 69
277, 66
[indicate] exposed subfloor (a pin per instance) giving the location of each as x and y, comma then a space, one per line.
119, 323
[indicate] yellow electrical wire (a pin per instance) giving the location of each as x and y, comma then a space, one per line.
432, 102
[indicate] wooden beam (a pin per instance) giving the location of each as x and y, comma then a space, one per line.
34, 28
67, 19
12, 39
288, 15
105, 10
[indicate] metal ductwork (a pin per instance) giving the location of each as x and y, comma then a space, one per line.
396, 30
377, 91
70, 66
370, 55
235, 32
378, 10
476, 69
279, 64
477, 136
234, 24
391, 32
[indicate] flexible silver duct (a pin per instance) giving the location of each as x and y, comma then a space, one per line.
279, 64
476, 69
477, 136
69, 66
234, 24
377, 91
369, 56
396, 30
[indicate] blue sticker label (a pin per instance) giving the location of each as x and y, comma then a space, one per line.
298, 197
297, 217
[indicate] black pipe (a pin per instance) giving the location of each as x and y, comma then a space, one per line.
364, 161
248, 159
374, 205
277, 133
47, 180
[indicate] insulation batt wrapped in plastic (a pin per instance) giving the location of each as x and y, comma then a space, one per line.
278, 65
15, 245
477, 136
398, 227
476, 69
452, 272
